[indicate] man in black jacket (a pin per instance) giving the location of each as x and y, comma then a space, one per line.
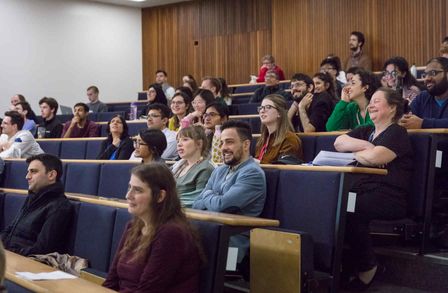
42, 223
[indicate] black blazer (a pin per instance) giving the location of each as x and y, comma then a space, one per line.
124, 150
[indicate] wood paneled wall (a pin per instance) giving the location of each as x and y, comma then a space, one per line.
228, 37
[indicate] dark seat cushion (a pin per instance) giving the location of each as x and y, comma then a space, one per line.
82, 178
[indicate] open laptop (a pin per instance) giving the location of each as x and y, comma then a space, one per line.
65, 110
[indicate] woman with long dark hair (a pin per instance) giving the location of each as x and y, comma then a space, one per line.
118, 145
159, 251
154, 95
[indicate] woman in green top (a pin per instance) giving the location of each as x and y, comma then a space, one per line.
351, 111
193, 170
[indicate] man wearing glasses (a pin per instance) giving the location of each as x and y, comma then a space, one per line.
271, 87
158, 115
429, 108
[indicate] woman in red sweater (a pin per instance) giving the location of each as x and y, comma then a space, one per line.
159, 251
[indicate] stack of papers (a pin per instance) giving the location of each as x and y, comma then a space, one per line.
56, 275
326, 158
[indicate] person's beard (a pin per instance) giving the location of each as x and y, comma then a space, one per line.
439, 88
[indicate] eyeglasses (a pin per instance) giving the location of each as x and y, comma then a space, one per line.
211, 115
393, 73
265, 108
138, 143
431, 73
326, 69
177, 103
297, 84
154, 116
194, 103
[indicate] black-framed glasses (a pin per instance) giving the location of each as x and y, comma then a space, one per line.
154, 115
431, 73
392, 73
211, 115
138, 143
266, 108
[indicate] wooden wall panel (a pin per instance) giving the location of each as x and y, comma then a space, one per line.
232, 35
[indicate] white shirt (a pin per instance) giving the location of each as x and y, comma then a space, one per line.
23, 145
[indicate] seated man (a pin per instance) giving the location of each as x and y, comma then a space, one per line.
80, 125
271, 87
158, 115
43, 222
95, 104
430, 108
24, 108
310, 111
15, 142
50, 127
238, 186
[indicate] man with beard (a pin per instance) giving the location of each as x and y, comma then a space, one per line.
80, 125
430, 108
238, 186
357, 57
309, 112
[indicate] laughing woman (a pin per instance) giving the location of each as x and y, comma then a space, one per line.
194, 169
159, 251
383, 145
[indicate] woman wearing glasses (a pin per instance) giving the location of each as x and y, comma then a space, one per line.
201, 99
396, 75
159, 250
277, 136
118, 144
149, 145
154, 94
351, 111
194, 169
180, 107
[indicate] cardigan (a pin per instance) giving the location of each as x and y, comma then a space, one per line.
291, 145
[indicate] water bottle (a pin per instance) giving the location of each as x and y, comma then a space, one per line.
216, 145
133, 111
413, 70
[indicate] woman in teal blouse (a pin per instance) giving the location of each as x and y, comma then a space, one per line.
193, 170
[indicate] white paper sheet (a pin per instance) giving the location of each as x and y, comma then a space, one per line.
56, 275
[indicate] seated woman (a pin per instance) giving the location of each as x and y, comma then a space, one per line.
118, 144
159, 251
194, 168
202, 98
323, 83
277, 136
154, 94
181, 107
189, 81
149, 145
383, 145
351, 111
397, 76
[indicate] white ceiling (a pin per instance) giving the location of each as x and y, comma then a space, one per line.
146, 3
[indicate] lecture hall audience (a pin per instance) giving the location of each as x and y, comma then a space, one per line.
118, 145
201, 99
324, 83
159, 250
194, 168
277, 137
95, 105
384, 144
271, 86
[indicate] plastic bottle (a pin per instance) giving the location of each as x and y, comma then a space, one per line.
413, 70
216, 146
133, 111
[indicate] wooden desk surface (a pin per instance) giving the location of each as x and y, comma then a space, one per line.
342, 169
223, 218
18, 263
